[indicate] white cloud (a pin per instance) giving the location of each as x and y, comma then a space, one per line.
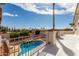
69, 8
9, 14
16, 15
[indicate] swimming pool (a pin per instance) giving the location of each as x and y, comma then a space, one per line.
27, 46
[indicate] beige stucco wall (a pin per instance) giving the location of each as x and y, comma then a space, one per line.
76, 21
65, 32
51, 37
77, 26
2, 40
77, 32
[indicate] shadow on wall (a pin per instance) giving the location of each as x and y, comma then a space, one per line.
66, 50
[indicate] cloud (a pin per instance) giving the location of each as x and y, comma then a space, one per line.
70, 7
9, 14
47, 8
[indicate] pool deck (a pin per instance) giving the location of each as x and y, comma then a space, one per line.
67, 46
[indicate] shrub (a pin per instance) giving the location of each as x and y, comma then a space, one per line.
25, 33
37, 32
3, 30
14, 34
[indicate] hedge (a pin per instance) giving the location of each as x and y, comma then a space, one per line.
14, 34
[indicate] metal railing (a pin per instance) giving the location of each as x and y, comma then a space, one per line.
14, 46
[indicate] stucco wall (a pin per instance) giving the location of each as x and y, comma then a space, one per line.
4, 43
61, 33
51, 37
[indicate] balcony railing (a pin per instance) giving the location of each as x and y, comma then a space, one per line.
14, 45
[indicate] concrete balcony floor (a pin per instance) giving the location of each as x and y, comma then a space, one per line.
67, 45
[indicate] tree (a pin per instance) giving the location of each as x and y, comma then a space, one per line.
37, 32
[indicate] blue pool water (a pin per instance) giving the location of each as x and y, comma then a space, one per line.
27, 46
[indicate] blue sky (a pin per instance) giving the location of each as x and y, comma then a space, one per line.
37, 15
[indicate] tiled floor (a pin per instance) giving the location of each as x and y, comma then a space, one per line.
67, 46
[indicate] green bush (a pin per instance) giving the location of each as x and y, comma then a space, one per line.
17, 34
24, 33
4, 30
14, 34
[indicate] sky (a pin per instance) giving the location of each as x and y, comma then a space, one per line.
37, 15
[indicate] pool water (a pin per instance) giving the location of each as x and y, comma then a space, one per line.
27, 46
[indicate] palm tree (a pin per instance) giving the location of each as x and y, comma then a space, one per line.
0, 13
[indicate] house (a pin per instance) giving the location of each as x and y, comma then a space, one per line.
0, 14
75, 23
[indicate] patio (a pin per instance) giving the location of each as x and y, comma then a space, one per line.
67, 46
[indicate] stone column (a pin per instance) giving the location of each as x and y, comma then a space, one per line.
52, 37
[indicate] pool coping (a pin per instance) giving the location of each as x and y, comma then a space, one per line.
35, 50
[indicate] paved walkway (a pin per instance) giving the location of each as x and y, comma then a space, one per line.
67, 46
